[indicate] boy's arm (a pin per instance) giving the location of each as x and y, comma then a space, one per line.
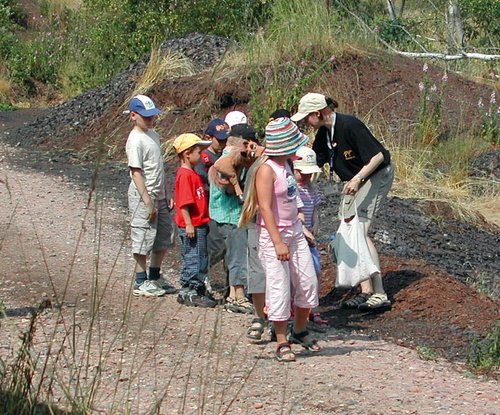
140, 185
315, 226
187, 219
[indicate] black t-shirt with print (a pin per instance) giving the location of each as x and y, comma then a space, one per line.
354, 146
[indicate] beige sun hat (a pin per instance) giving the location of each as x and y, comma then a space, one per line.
309, 103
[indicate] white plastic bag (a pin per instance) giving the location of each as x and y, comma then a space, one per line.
354, 262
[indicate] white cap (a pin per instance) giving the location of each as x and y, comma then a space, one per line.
305, 161
235, 117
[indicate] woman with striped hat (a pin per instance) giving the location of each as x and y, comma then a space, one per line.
283, 249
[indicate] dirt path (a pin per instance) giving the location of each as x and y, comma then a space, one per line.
135, 352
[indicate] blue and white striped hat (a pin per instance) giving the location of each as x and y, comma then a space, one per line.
283, 137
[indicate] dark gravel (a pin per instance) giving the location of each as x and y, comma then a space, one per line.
405, 229
486, 165
78, 114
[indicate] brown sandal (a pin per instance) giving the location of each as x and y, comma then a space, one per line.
284, 353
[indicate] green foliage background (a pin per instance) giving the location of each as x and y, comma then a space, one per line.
77, 48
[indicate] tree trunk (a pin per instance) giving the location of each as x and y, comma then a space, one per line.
391, 9
455, 26
402, 8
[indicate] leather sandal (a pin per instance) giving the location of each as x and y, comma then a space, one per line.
256, 330
356, 301
284, 353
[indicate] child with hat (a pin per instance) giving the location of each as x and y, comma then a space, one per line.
217, 132
151, 224
304, 168
192, 220
283, 249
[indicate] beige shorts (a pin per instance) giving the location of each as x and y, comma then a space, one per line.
370, 197
146, 236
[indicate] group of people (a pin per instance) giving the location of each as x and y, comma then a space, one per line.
255, 207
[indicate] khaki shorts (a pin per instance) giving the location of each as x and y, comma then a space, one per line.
256, 277
149, 236
370, 197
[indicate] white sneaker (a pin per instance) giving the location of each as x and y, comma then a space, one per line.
149, 289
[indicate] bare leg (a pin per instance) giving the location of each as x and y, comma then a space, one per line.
239, 291
259, 302
157, 258
140, 263
280, 329
301, 318
373, 285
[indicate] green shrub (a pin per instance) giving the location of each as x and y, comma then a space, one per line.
7, 38
481, 21
396, 32
484, 354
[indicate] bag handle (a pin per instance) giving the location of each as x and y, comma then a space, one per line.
342, 209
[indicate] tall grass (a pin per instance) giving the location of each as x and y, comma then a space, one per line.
440, 172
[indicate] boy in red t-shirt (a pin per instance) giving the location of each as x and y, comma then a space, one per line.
192, 220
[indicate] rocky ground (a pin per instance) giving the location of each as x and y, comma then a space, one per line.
135, 351
64, 237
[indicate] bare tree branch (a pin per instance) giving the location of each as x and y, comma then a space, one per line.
448, 57
426, 54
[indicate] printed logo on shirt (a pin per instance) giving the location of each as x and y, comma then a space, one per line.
200, 192
205, 159
291, 186
348, 155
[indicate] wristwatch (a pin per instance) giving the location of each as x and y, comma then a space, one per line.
360, 177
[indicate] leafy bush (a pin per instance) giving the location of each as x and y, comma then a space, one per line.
484, 354
80, 48
7, 38
396, 32
481, 21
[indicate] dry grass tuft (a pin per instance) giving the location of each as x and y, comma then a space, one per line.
5, 89
160, 67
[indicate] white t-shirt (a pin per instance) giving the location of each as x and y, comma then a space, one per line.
144, 152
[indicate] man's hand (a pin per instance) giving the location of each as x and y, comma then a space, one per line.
352, 186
